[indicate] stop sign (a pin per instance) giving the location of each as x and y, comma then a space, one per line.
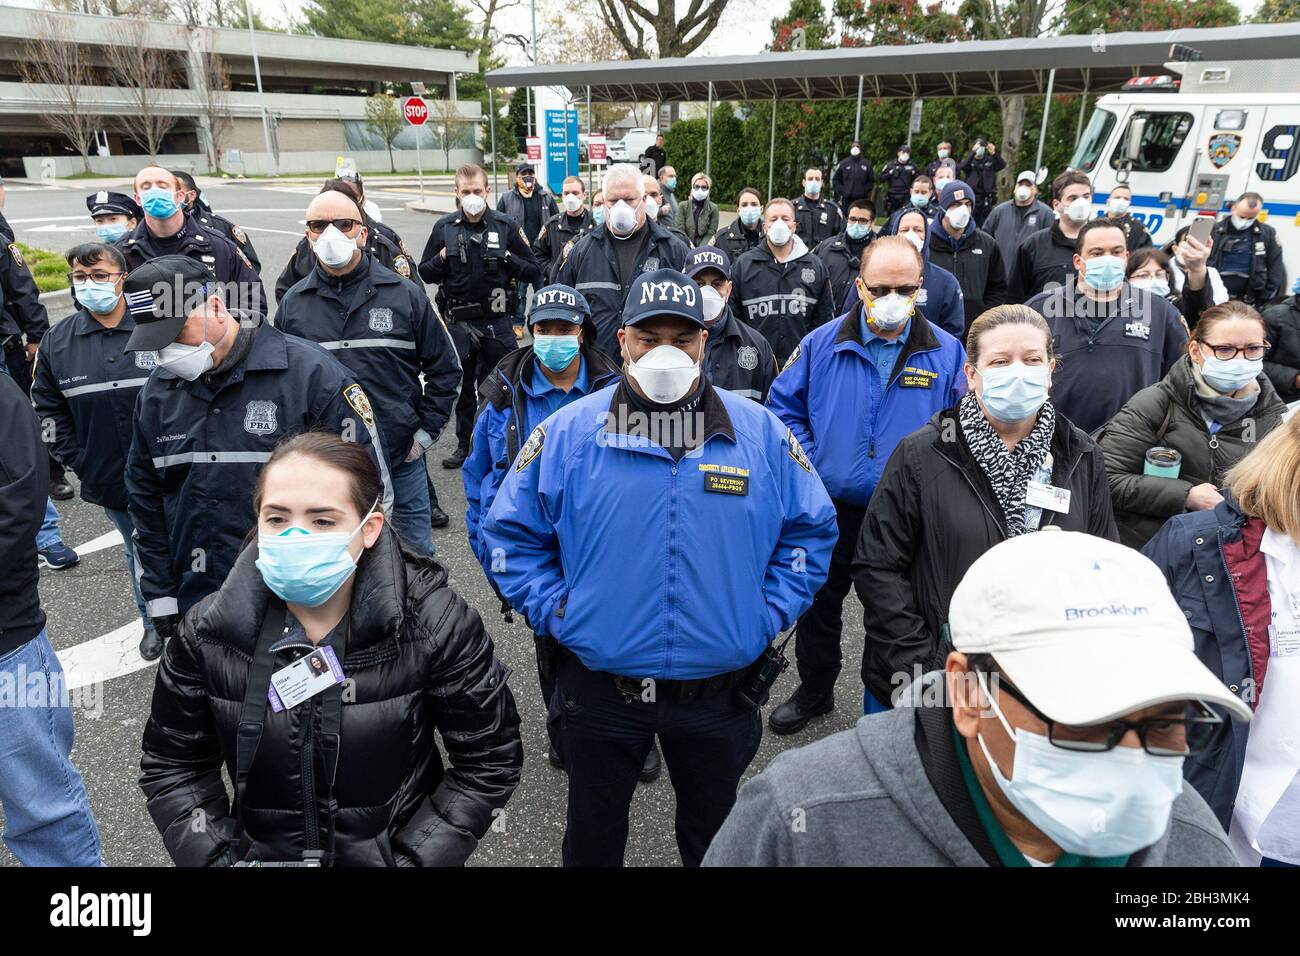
415, 110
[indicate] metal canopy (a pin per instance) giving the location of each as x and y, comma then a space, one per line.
1083, 63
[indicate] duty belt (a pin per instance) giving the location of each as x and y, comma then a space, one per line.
676, 691
468, 311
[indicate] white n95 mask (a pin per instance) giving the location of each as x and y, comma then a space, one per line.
333, 248
665, 373
712, 301
779, 233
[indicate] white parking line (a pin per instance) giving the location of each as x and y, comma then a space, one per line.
110, 655
110, 540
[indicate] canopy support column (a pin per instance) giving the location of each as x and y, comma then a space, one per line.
1042, 130
708, 137
771, 150
857, 122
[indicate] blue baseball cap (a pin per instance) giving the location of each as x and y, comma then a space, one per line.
708, 257
558, 303
956, 191
664, 292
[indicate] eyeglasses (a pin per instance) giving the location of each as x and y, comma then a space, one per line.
880, 291
317, 226
1183, 736
97, 276
1226, 353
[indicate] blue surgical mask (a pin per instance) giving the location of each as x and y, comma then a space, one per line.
920, 200
598, 215
671, 182
1158, 287
159, 202
750, 215
110, 232
1014, 392
555, 351
813, 187
857, 230
1106, 804
1229, 375
306, 568
100, 297
1104, 273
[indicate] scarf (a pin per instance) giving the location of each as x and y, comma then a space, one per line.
1215, 406
1008, 472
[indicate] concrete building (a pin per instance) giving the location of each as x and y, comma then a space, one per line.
315, 93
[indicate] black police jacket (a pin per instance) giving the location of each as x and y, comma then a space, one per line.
897, 178
736, 240
739, 359
224, 260
1045, 260
981, 174
818, 220
84, 389
1282, 366
843, 259
556, 233
235, 235
853, 178
198, 447
1135, 234
383, 328
591, 267
24, 485
976, 261
378, 246
782, 301
933, 514
21, 311
419, 666
1267, 272
482, 257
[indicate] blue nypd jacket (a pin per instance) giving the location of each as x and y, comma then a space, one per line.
832, 399
649, 568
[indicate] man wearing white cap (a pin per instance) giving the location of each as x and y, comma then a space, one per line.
1023, 213
1055, 737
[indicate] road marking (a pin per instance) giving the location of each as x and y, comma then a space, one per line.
110, 655
110, 540
280, 232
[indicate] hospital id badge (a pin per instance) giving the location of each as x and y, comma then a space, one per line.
1042, 495
1283, 642
304, 679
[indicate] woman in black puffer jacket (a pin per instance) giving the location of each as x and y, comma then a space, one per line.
414, 659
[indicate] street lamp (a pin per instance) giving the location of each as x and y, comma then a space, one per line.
261, 99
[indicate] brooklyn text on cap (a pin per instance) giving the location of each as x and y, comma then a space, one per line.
1084, 627
664, 292
160, 294
559, 302
708, 257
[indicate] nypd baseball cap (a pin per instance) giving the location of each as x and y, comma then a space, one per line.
664, 292
159, 295
955, 191
1085, 628
708, 257
1026, 176
105, 203
559, 303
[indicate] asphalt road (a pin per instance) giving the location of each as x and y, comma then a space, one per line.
94, 598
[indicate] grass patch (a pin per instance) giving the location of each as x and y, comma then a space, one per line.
49, 269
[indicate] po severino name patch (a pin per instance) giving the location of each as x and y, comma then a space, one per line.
532, 448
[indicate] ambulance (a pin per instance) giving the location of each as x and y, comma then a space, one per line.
1189, 145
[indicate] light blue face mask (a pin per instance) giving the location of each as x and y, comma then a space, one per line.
306, 568
1104, 273
110, 232
920, 200
750, 215
598, 215
555, 351
1014, 392
1229, 375
159, 202
671, 182
857, 230
99, 297
813, 187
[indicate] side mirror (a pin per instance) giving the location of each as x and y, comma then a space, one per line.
1133, 146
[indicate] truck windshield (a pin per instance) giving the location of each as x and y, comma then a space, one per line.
1094, 140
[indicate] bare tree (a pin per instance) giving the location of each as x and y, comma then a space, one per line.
142, 71
447, 117
630, 21
58, 63
215, 114
385, 120
488, 35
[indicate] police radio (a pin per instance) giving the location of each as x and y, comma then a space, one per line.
762, 675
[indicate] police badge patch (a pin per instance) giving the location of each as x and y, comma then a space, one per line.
796, 451
239, 235
17, 256
747, 357
651, 264
809, 276
532, 448
146, 360
259, 418
355, 396
381, 320
402, 266
1222, 147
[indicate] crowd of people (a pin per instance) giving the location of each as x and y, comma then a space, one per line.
1053, 461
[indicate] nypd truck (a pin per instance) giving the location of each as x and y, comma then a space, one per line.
1189, 148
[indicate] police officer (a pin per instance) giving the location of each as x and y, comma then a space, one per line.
818, 218
923, 196
166, 231
850, 393
782, 289
1045, 259
196, 204
746, 230
561, 366
85, 388
378, 245
1247, 255
944, 151
375, 219
736, 357
228, 387
968, 252
1117, 212
384, 330
564, 227
114, 214
1111, 340
474, 255
854, 178
897, 177
842, 254
685, 478
602, 264
980, 170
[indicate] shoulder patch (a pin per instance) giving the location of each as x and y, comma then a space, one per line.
238, 234
17, 256
532, 448
796, 451
568, 247
794, 357
402, 266
522, 236
1183, 319
356, 397
240, 252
